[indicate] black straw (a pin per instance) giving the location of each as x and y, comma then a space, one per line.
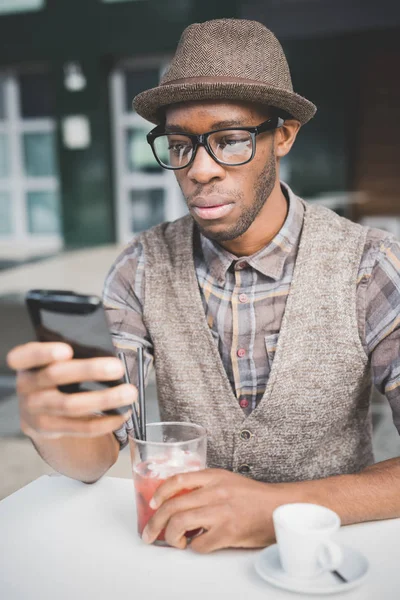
142, 401
135, 418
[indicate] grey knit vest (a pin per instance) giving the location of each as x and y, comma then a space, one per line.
314, 418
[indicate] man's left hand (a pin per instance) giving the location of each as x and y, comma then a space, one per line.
233, 511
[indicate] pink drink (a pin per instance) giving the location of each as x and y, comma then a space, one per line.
150, 474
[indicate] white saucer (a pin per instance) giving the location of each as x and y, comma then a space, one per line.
354, 568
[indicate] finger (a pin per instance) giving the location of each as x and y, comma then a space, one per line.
50, 426
37, 354
54, 402
71, 371
179, 524
184, 481
209, 541
183, 503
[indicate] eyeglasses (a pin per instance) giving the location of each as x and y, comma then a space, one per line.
231, 147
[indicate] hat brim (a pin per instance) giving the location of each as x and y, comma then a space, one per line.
148, 103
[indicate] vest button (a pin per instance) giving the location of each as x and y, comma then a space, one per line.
245, 434
244, 469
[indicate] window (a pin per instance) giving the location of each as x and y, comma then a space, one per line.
29, 187
139, 155
39, 154
6, 220
14, 6
4, 155
146, 208
146, 193
43, 212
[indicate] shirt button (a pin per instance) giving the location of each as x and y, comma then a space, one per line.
243, 298
241, 352
244, 469
244, 403
241, 265
245, 434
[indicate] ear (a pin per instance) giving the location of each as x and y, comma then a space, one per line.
285, 137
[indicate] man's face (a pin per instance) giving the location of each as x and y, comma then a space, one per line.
224, 201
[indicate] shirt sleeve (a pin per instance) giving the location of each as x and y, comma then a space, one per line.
382, 323
123, 294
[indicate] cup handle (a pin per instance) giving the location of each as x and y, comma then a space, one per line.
329, 556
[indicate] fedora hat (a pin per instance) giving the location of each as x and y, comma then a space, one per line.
226, 59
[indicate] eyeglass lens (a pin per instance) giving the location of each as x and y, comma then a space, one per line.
230, 147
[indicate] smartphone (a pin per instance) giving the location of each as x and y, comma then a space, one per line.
78, 320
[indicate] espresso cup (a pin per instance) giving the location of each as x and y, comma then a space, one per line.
303, 533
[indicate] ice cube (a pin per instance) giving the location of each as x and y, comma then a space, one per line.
173, 462
176, 458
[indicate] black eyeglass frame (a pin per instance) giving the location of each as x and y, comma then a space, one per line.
202, 140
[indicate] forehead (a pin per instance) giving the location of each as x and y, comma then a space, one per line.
208, 113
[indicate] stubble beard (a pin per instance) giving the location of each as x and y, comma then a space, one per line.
262, 191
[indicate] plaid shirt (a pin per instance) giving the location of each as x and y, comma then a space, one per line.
244, 300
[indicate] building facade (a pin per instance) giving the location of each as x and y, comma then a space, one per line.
75, 169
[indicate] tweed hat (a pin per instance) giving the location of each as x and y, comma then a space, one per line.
226, 59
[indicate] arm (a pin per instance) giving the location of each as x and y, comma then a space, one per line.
84, 459
370, 495
375, 492
237, 512
64, 428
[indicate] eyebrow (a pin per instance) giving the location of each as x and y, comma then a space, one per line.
218, 125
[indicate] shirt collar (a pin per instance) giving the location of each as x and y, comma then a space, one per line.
270, 260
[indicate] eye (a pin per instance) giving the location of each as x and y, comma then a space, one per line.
179, 146
232, 140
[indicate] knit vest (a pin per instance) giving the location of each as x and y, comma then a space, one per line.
314, 418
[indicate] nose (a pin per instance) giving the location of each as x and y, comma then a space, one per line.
204, 168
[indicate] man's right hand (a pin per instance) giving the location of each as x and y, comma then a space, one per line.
45, 412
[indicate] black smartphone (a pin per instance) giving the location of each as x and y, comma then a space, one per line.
78, 320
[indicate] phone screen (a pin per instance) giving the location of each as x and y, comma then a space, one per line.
82, 330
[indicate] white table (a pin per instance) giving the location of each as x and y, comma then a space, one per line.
64, 540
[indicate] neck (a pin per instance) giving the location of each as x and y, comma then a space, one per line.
264, 228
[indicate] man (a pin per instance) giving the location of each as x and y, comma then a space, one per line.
266, 316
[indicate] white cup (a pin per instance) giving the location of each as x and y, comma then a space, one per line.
303, 533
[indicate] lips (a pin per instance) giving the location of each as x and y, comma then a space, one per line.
211, 208
213, 212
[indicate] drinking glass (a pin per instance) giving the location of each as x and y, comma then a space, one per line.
169, 448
